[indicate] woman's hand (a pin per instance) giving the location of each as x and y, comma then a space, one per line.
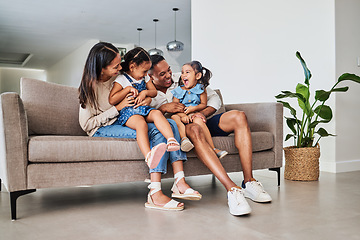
128, 101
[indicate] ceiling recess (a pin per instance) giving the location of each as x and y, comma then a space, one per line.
14, 59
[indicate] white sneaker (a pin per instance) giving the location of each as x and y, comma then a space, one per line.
237, 203
255, 191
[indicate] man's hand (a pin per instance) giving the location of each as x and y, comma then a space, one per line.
199, 115
172, 107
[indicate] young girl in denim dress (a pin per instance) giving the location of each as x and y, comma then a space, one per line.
134, 82
191, 92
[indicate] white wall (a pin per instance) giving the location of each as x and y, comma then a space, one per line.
250, 47
69, 70
10, 78
347, 104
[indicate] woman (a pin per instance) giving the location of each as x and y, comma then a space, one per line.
98, 118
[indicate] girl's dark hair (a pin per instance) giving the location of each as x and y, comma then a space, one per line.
137, 55
100, 56
198, 68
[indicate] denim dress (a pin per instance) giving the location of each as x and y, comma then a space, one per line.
127, 112
189, 97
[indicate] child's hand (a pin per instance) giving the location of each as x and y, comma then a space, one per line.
189, 109
186, 119
199, 115
133, 91
128, 101
140, 97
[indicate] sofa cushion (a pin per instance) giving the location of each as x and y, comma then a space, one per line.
85, 149
51, 108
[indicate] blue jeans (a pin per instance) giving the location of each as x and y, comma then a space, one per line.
155, 137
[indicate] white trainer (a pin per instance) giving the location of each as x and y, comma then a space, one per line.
255, 191
237, 202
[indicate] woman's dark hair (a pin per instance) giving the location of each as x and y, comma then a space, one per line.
137, 55
100, 56
198, 68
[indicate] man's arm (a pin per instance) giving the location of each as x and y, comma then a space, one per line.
172, 107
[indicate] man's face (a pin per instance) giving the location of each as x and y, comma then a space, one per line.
162, 75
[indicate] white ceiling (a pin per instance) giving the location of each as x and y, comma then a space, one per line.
51, 29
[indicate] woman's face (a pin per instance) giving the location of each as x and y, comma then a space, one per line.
189, 77
112, 69
138, 72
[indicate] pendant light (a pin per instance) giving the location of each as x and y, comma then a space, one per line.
155, 51
139, 30
175, 46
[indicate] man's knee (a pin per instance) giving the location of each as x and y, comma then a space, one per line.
238, 118
193, 131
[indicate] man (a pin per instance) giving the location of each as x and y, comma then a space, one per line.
219, 125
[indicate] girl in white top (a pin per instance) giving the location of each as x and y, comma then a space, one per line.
135, 81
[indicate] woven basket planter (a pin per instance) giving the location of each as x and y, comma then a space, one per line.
302, 164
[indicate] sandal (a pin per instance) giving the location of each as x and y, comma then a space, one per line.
172, 145
172, 205
189, 194
221, 153
186, 144
154, 156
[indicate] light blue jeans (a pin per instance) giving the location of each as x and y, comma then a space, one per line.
155, 137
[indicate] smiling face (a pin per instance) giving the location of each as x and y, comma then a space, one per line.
138, 72
161, 75
189, 77
112, 69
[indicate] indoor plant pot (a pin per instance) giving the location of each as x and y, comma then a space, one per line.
305, 153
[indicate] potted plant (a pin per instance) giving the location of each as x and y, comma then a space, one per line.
302, 159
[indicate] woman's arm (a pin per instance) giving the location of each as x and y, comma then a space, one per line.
90, 118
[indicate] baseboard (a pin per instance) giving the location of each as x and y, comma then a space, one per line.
348, 166
339, 167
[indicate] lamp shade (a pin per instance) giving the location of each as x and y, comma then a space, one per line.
175, 46
155, 51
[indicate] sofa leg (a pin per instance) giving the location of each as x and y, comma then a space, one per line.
13, 197
278, 174
0, 184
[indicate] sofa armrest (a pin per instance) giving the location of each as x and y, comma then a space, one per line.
264, 117
13, 142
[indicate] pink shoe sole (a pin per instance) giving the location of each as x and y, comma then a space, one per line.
154, 156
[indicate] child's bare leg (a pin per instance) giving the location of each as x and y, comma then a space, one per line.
180, 125
138, 123
160, 122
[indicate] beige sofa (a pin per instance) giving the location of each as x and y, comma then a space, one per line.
43, 146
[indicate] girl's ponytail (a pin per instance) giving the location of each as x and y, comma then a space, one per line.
205, 73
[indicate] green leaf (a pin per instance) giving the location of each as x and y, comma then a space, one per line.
323, 133
291, 122
322, 95
287, 105
349, 76
343, 89
289, 136
324, 112
306, 70
304, 101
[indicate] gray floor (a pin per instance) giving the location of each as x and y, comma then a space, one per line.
326, 209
